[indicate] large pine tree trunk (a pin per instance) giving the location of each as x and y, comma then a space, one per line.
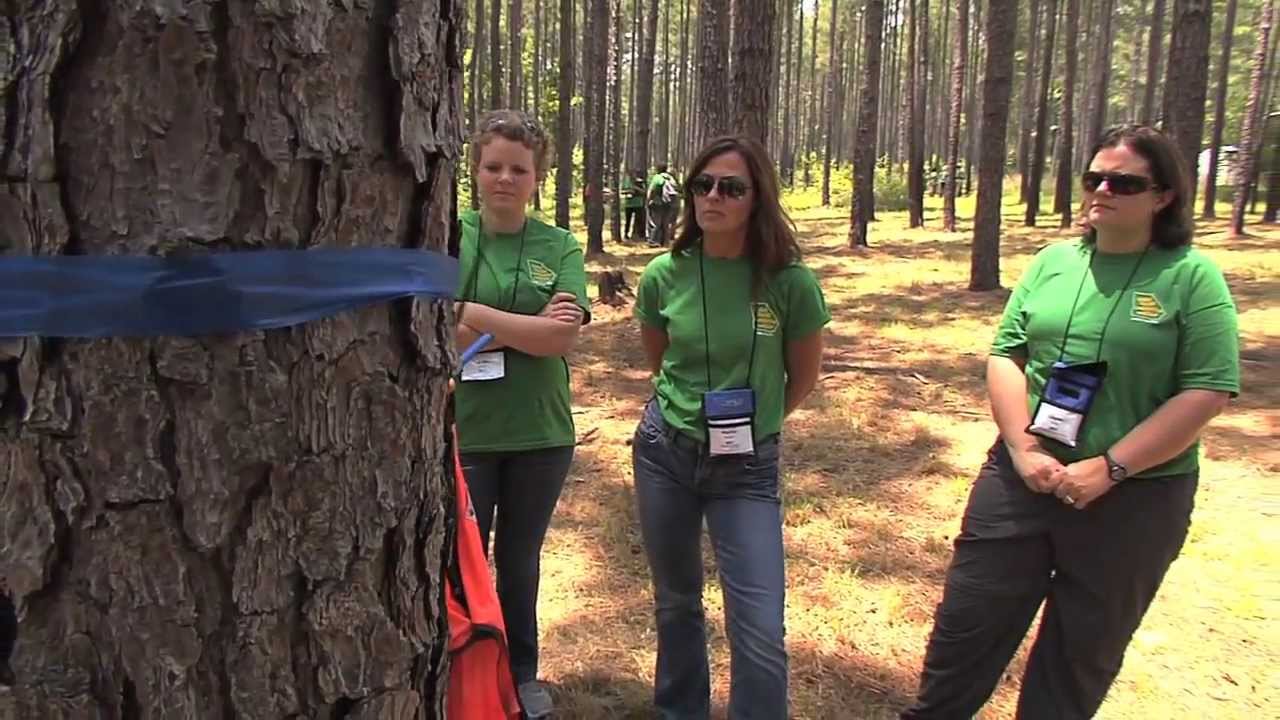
497, 95
1025, 99
597, 72
864, 143
811, 111
788, 96
1066, 124
644, 93
915, 155
1042, 118
1186, 83
1002, 24
250, 525
958, 70
1155, 42
1254, 119
564, 117
713, 68
1101, 64
1219, 111
515, 54
833, 79
753, 41
615, 119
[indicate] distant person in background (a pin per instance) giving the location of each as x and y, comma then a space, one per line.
1113, 354
522, 281
662, 199
633, 194
731, 323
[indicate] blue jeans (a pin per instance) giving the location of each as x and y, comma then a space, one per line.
677, 484
521, 489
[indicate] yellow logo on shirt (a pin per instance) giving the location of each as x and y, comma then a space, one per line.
766, 320
1146, 308
540, 273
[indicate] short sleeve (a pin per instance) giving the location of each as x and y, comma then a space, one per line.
1209, 340
648, 307
1011, 336
572, 277
806, 307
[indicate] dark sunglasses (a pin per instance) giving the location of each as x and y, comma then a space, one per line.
731, 186
1119, 183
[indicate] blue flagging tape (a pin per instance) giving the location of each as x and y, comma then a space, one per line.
97, 296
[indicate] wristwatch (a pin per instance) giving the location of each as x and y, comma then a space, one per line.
1117, 471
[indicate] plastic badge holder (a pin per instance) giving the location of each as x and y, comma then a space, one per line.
1071, 389
725, 404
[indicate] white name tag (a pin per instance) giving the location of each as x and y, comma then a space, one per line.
1058, 423
490, 365
734, 437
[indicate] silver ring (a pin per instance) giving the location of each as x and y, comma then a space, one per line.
1068, 500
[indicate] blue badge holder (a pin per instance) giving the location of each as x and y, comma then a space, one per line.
1073, 387
729, 404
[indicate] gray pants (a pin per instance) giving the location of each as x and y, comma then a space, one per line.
677, 485
660, 220
1096, 571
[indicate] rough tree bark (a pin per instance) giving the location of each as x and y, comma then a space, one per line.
496, 90
1024, 99
1219, 111
515, 54
1002, 24
250, 525
835, 43
1186, 83
1066, 123
864, 143
1101, 80
615, 119
958, 70
713, 68
644, 93
753, 41
1251, 132
1042, 118
915, 155
597, 75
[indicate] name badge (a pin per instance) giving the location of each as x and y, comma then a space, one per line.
730, 421
1066, 400
485, 366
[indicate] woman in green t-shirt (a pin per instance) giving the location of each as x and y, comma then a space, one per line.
731, 325
523, 281
1113, 354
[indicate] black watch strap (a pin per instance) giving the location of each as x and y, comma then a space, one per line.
1116, 470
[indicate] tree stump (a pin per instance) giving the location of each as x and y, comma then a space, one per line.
612, 285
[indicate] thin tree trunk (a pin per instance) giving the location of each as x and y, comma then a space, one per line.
1028, 107
515, 49
1066, 182
1042, 117
633, 118
1268, 83
598, 38
788, 121
713, 68
1186, 83
1101, 64
1002, 25
1135, 71
958, 71
1083, 95
537, 84
682, 131
915, 159
663, 153
974, 119
496, 98
564, 117
864, 144
644, 96
810, 109
1219, 111
251, 525
615, 120
1155, 41
833, 77
1253, 122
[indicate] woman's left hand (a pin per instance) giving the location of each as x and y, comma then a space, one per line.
1083, 482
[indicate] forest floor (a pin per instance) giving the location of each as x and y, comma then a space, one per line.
877, 468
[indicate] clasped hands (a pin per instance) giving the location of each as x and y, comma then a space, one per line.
1077, 484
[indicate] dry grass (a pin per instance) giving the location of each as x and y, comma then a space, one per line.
877, 469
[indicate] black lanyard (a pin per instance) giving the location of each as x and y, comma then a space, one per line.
706, 341
1119, 298
475, 270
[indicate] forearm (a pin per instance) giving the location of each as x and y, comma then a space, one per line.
798, 388
654, 341
530, 334
1007, 389
465, 336
1170, 430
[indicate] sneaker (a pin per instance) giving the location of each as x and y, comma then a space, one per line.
535, 700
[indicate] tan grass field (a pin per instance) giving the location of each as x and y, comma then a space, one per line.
877, 466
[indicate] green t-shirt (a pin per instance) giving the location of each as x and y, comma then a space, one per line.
529, 408
655, 188
632, 193
1173, 329
790, 307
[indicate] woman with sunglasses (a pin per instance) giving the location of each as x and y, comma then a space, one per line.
731, 324
523, 282
1113, 354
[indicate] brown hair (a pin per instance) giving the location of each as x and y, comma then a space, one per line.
1172, 226
515, 126
771, 237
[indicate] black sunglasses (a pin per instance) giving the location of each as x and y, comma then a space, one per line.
731, 186
1119, 183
